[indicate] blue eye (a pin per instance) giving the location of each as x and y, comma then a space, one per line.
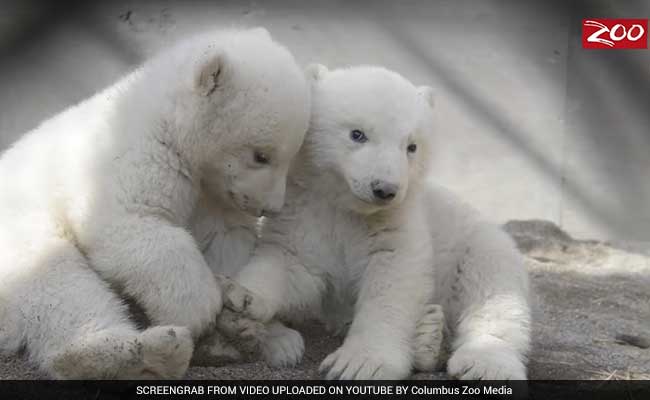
358, 136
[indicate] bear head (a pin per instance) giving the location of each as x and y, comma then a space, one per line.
239, 111
370, 132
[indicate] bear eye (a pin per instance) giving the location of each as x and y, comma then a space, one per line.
261, 158
358, 136
412, 148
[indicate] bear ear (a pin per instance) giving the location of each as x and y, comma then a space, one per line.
427, 93
209, 74
316, 72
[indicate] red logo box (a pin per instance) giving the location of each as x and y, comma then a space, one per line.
607, 33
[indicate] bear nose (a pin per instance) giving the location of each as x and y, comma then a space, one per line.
384, 190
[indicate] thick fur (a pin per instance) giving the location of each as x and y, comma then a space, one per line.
108, 193
338, 252
482, 283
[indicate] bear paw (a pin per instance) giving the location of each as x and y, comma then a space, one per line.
429, 335
355, 360
241, 300
246, 333
166, 352
161, 352
283, 347
214, 351
486, 358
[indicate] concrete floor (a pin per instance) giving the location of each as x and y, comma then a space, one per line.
591, 318
530, 124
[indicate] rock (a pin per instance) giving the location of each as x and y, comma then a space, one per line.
591, 301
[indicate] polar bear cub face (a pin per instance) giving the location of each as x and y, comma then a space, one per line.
370, 129
250, 107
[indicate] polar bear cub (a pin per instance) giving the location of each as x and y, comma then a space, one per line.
363, 238
354, 230
101, 197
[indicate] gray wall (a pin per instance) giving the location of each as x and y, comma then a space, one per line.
530, 124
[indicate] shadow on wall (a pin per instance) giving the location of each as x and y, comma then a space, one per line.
606, 116
42, 46
54, 54
608, 124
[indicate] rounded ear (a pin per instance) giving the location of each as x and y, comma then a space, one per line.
427, 93
209, 74
316, 72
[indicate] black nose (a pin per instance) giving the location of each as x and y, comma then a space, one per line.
384, 190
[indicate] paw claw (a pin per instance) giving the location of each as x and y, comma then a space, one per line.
486, 358
240, 300
249, 333
355, 360
428, 347
284, 347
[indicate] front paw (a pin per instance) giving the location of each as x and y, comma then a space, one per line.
247, 334
213, 351
486, 358
429, 337
284, 347
358, 360
241, 300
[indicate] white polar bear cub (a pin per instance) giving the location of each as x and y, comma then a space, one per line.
362, 231
105, 193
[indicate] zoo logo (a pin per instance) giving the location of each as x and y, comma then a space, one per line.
605, 33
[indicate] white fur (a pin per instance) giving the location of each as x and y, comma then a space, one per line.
282, 347
482, 284
109, 192
337, 253
429, 337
